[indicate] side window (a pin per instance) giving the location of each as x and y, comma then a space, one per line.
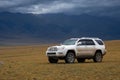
90, 42
99, 42
83, 42
86, 42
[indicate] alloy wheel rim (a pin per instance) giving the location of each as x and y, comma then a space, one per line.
70, 57
98, 57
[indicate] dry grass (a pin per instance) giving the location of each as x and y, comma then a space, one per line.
30, 63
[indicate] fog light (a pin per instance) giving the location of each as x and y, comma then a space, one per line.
60, 53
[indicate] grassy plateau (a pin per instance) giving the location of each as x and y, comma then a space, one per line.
30, 63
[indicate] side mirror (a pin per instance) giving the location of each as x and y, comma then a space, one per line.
79, 43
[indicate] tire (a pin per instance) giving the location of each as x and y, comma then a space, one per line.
98, 57
80, 60
52, 60
70, 57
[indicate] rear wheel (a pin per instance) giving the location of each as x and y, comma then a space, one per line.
52, 60
70, 57
98, 57
80, 60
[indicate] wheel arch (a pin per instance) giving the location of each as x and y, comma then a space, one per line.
95, 58
71, 51
99, 50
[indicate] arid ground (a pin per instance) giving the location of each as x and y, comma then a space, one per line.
30, 63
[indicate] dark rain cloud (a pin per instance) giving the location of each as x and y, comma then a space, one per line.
61, 6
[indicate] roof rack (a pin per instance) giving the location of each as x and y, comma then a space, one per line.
90, 37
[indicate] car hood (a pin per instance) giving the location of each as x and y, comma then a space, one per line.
64, 46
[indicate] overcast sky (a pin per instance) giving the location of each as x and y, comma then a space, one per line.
103, 7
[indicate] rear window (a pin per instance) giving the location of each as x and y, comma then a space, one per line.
99, 42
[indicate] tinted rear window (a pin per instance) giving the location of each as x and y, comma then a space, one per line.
87, 42
99, 42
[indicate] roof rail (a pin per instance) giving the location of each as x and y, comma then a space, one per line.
90, 37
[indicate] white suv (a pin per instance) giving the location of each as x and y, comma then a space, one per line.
79, 48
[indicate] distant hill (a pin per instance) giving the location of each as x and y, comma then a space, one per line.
51, 28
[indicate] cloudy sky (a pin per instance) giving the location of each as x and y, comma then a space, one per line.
102, 7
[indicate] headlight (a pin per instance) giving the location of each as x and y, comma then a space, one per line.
62, 48
52, 49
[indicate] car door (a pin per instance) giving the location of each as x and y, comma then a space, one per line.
90, 47
86, 48
81, 47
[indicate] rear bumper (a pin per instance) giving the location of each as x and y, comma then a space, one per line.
105, 52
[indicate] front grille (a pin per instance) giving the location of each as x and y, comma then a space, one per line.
51, 53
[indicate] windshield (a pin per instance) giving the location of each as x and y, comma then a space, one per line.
69, 42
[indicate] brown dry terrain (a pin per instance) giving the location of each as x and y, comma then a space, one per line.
30, 63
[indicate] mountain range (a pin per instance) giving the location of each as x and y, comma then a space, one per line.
17, 28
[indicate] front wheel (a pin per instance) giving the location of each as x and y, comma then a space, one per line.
52, 60
98, 57
70, 57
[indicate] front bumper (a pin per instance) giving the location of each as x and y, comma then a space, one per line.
55, 53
